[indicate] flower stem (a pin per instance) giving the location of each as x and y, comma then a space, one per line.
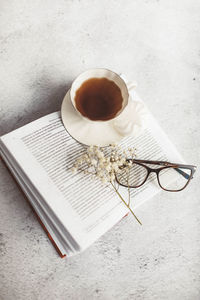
125, 203
129, 193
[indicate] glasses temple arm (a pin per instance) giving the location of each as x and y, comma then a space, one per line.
185, 175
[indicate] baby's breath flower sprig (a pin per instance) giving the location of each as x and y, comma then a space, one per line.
104, 164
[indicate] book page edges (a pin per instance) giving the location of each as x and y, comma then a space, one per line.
60, 253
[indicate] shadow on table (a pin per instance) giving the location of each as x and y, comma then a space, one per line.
47, 98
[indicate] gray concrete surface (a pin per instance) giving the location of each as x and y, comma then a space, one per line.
43, 46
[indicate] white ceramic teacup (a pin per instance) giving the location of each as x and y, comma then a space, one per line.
128, 121
100, 73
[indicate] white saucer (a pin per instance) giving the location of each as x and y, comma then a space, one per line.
101, 133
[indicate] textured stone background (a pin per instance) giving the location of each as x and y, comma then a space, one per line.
43, 46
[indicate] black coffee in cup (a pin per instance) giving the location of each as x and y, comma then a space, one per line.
98, 99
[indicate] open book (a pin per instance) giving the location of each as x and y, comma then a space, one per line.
75, 209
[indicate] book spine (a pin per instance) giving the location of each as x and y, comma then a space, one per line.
46, 231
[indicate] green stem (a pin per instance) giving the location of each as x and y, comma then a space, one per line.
125, 203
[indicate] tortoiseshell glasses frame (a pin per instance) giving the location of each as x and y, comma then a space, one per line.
164, 165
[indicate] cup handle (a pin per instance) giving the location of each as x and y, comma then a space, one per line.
131, 85
132, 119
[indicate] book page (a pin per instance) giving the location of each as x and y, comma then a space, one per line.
46, 152
85, 207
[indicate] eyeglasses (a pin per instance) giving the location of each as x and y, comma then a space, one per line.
171, 177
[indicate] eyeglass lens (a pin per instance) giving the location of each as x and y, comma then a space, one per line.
133, 176
174, 179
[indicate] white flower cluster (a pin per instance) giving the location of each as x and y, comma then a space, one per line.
104, 162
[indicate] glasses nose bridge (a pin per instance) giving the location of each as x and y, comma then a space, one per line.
150, 170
